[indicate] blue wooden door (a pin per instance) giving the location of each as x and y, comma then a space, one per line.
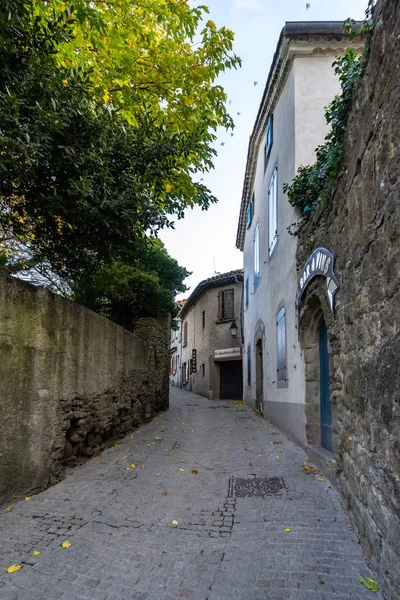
326, 409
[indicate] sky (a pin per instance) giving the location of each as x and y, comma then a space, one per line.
204, 241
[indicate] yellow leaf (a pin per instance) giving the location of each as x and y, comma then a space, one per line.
14, 568
287, 529
278, 458
142, 467
168, 187
321, 479
66, 544
133, 466
27, 498
158, 474
36, 552
286, 487
164, 493
180, 469
10, 507
174, 522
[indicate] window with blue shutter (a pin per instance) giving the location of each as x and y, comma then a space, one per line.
248, 366
249, 214
256, 255
247, 292
269, 136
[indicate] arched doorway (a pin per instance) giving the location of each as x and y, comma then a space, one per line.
325, 405
314, 318
259, 377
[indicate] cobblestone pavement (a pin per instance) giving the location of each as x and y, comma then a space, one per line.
189, 463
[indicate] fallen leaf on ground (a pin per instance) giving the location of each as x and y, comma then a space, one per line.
103, 462
14, 568
27, 498
170, 453
180, 469
158, 474
124, 457
369, 583
10, 507
320, 479
286, 487
66, 544
174, 522
36, 552
195, 472
278, 458
307, 468
164, 493
287, 529
142, 467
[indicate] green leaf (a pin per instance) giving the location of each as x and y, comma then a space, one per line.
369, 583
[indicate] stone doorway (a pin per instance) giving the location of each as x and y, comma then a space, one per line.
314, 323
259, 377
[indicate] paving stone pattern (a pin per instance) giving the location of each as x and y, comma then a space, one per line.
124, 544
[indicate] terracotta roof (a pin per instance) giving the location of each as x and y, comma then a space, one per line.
215, 281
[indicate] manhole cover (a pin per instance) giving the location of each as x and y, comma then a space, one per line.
258, 486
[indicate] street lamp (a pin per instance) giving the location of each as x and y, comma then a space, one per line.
234, 329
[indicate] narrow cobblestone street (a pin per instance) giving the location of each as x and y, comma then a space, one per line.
120, 520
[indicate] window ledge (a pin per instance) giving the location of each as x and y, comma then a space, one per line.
218, 321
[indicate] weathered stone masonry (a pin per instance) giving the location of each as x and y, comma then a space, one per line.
361, 227
70, 382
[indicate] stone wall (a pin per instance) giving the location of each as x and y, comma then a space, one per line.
70, 382
361, 227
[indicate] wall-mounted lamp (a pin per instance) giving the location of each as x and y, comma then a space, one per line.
234, 329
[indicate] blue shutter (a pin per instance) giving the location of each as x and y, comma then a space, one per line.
247, 292
248, 366
249, 214
269, 136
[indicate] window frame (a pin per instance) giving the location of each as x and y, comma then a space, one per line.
281, 348
273, 211
256, 255
203, 319
269, 138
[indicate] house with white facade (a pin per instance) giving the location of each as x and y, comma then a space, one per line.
289, 125
176, 347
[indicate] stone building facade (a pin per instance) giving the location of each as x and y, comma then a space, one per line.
176, 348
360, 227
211, 363
289, 126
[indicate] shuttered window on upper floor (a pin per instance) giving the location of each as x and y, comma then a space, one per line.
185, 333
226, 306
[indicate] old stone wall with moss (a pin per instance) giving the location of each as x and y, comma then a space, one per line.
361, 227
70, 382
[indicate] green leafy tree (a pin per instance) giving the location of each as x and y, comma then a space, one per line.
140, 283
108, 110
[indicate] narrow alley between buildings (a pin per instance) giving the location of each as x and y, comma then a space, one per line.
166, 514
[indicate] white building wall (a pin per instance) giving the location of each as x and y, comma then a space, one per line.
299, 127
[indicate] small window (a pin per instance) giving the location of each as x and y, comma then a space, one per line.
226, 307
185, 333
248, 366
257, 255
204, 318
281, 346
273, 210
246, 292
269, 137
203, 369
250, 212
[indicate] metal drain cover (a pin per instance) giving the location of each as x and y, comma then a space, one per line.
257, 486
